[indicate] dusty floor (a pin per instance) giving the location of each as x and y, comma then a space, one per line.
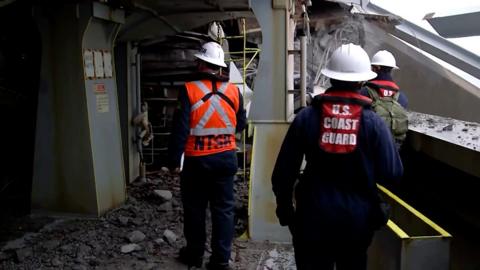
144, 233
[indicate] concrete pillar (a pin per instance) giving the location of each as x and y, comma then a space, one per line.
78, 164
271, 110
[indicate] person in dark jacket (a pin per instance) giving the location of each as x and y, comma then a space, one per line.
348, 149
383, 62
210, 113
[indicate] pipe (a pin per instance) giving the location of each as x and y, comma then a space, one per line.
138, 63
303, 71
158, 16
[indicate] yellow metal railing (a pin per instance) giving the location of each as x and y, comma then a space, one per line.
415, 212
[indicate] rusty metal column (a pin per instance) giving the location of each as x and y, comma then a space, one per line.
78, 159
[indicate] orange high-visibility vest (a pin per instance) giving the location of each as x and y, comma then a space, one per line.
212, 117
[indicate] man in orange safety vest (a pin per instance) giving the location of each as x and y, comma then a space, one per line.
210, 113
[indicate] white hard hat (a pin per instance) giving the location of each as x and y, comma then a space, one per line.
212, 53
384, 58
349, 63
215, 31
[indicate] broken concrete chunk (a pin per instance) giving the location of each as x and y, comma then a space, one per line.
448, 127
165, 207
130, 247
15, 244
136, 236
56, 262
123, 220
169, 236
159, 241
165, 195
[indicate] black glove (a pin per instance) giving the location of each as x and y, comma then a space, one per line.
285, 214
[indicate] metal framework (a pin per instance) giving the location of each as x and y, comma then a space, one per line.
433, 44
245, 65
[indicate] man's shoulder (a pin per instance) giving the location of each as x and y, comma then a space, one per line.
364, 91
371, 118
304, 115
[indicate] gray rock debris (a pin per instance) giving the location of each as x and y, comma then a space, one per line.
137, 221
79, 267
22, 254
123, 220
136, 236
130, 247
5, 256
159, 241
165, 207
15, 244
169, 236
165, 195
51, 244
83, 250
448, 127
56, 262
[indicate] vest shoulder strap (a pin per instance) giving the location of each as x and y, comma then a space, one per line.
346, 100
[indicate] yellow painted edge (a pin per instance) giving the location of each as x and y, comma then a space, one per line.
432, 224
430, 237
399, 232
244, 236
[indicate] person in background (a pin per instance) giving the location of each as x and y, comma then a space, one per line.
383, 63
389, 102
210, 113
348, 149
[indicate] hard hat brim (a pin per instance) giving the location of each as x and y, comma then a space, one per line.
349, 76
210, 60
383, 65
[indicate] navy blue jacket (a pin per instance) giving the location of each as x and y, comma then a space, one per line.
385, 76
336, 191
181, 130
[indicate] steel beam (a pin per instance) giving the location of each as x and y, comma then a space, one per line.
433, 44
455, 26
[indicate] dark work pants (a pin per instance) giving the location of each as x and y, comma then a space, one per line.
200, 188
311, 257
324, 255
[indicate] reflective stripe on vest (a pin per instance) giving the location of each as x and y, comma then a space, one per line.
199, 129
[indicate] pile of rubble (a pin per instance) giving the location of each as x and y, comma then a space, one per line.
455, 131
144, 233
